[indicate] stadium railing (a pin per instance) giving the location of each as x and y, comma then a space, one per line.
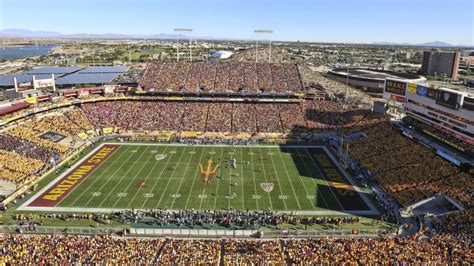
196, 233
60, 230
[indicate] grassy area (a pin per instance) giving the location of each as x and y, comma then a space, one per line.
147, 176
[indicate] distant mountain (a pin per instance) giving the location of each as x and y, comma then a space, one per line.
436, 44
95, 36
433, 44
22, 33
390, 43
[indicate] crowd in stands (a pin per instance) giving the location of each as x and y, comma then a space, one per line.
73, 249
405, 168
190, 252
25, 153
249, 252
226, 117
101, 249
457, 223
440, 249
223, 77
455, 142
25, 148
17, 168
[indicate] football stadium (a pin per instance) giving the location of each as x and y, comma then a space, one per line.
145, 159
223, 163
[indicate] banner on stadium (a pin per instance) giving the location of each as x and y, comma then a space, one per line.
190, 134
43, 83
395, 87
31, 100
468, 103
24, 85
243, 135
421, 90
448, 99
431, 93
411, 88
397, 98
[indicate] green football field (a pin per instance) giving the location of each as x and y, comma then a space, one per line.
206, 177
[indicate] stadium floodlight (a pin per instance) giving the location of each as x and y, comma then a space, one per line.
186, 30
260, 32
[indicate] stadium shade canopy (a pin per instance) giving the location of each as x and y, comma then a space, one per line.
88, 78
99, 69
67, 75
22, 77
53, 70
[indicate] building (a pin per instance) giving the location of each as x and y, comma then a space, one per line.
370, 81
444, 114
221, 55
440, 63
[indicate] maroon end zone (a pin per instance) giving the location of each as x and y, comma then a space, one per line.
61, 188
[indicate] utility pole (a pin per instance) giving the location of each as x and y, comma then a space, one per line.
177, 31
260, 32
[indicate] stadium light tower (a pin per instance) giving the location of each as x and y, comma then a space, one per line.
261, 32
177, 31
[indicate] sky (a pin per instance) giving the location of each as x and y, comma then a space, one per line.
354, 21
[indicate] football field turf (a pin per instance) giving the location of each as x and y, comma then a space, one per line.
117, 176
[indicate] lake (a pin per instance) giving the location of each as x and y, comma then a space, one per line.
17, 52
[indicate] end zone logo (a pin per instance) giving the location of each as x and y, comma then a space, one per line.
67, 183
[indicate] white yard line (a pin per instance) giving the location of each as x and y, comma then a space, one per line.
229, 185
219, 179
72, 168
266, 180
312, 178
242, 175
204, 187
322, 176
277, 177
196, 175
174, 171
216, 145
288, 175
255, 183
120, 179
147, 176
96, 179
349, 178
135, 176
373, 210
160, 177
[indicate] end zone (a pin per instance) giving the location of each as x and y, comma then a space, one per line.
58, 189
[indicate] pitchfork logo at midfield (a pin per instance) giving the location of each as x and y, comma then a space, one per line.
209, 172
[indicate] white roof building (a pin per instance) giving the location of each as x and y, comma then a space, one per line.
222, 55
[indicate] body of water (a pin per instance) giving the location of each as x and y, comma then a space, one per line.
7, 53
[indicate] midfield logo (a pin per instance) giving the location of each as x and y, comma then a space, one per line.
267, 187
208, 173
